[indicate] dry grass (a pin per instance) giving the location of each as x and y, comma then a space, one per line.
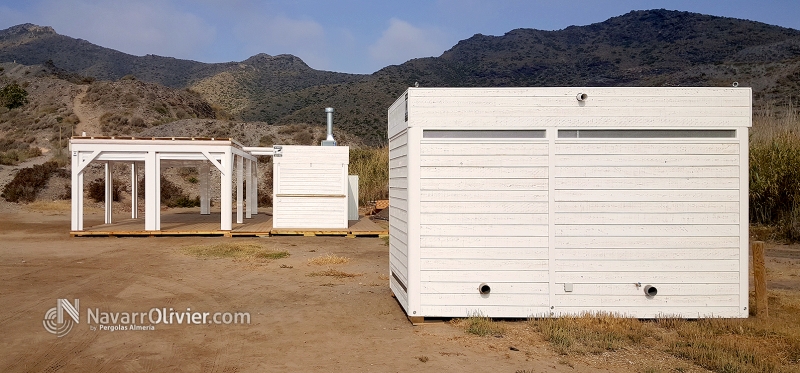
742, 345
592, 334
51, 206
334, 273
58, 207
237, 250
720, 345
372, 167
774, 172
482, 326
328, 259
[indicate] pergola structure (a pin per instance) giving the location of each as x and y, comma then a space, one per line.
152, 154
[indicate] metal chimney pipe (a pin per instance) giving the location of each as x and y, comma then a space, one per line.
329, 141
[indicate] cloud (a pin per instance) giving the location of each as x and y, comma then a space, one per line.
135, 26
402, 42
304, 38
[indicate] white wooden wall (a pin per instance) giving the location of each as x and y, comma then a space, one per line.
644, 211
604, 216
484, 219
398, 206
310, 187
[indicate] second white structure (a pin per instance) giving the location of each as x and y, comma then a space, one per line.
519, 202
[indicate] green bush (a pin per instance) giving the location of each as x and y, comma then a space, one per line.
13, 96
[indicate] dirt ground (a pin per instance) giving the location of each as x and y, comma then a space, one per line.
298, 322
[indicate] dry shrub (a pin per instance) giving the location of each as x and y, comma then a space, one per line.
59, 207
264, 198
28, 182
97, 190
482, 326
234, 250
13, 151
50, 206
591, 333
171, 194
372, 167
775, 174
741, 345
721, 345
328, 259
303, 138
266, 140
334, 273
292, 128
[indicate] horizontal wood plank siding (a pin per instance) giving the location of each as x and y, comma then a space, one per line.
533, 217
672, 234
484, 218
398, 213
310, 212
310, 187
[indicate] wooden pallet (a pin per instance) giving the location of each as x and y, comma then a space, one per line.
147, 233
421, 320
184, 224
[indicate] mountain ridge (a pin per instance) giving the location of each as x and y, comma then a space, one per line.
640, 48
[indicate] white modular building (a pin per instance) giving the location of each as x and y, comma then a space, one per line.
539, 202
310, 187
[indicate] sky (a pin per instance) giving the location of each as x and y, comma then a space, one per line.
352, 36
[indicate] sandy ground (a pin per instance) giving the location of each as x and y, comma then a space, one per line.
298, 322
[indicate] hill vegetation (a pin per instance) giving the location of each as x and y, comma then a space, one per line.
74, 86
641, 48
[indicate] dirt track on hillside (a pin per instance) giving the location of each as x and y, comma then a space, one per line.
89, 119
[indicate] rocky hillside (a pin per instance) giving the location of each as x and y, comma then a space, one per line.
641, 48
57, 107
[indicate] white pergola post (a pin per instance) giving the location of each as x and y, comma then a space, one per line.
249, 184
152, 192
255, 187
239, 195
109, 167
134, 192
205, 202
226, 192
77, 193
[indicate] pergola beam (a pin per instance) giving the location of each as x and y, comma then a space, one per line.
152, 153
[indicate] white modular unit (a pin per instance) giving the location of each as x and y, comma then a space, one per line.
310, 186
519, 202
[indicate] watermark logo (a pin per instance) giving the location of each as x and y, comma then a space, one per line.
60, 319
55, 322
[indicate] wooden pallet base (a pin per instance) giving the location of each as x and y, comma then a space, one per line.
196, 225
347, 234
421, 320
